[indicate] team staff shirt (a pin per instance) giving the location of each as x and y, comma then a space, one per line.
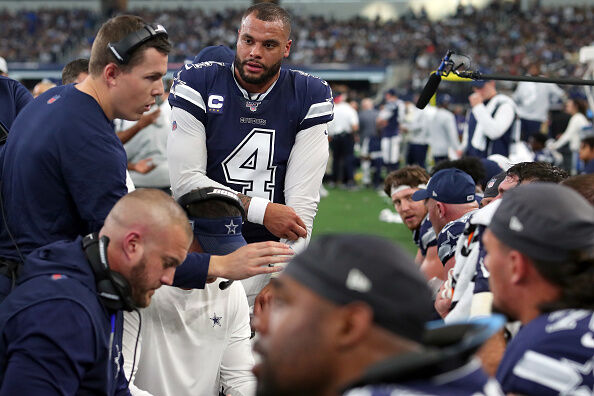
13, 96
448, 237
193, 342
551, 355
424, 236
63, 169
55, 333
272, 146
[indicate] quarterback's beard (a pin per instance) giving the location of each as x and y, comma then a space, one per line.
266, 76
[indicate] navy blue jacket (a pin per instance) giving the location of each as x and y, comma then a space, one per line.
55, 332
63, 169
13, 96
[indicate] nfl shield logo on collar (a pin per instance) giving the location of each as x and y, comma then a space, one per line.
253, 106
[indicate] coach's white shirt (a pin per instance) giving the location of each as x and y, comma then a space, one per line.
192, 343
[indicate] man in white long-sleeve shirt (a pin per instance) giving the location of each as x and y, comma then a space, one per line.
443, 132
492, 125
196, 342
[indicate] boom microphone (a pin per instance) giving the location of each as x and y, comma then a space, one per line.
429, 90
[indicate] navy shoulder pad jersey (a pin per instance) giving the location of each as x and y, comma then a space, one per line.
55, 331
448, 237
551, 355
249, 141
424, 236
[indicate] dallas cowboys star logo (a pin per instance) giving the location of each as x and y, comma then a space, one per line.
231, 227
216, 320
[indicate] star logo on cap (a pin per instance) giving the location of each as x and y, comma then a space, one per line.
515, 224
216, 320
231, 227
356, 280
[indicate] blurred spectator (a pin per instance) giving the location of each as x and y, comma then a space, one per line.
3, 67
75, 71
500, 35
492, 126
533, 101
371, 152
587, 154
342, 130
537, 143
443, 133
389, 120
41, 87
576, 107
147, 151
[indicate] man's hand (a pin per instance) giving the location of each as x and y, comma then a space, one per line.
263, 299
250, 260
283, 222
143, 166
148, 118
475, 99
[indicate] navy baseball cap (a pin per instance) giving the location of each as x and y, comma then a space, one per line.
215, 53
219, 236
450, 186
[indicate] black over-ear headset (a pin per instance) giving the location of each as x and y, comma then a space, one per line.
124, 48
113, 289
206, 193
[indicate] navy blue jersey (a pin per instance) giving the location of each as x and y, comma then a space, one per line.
468, 380
393, 126
13, 96
551, 355
63, 169
249, 141
544, 155
448, 237
56, 335
589, 167
424, 236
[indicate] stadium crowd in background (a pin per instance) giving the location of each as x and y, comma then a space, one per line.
499, 224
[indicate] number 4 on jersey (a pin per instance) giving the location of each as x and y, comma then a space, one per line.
250, 164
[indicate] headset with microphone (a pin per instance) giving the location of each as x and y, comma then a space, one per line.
123, 49
113, 289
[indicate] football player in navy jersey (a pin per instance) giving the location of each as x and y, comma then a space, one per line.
400, 185
254, 127
450, 199
541, 264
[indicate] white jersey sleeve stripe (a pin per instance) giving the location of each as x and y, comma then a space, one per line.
189, 94
319, 110
547, 371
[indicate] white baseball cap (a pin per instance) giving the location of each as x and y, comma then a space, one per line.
3, 65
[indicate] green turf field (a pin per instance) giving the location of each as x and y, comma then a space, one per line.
358, 212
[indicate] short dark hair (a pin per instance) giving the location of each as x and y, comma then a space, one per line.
537, 172
72, 69
270, 12
471, 165
412, 175
588, 141
583, 184
574, 277
114, 30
